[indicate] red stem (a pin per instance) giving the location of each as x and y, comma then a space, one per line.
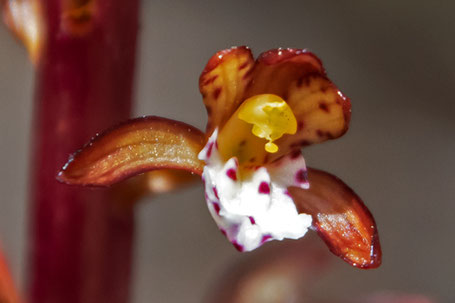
81, 242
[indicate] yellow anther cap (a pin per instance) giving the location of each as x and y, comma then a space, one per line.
271, 117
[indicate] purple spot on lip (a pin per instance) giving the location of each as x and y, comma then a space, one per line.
252, 220
266, 238
209, 150
216, 207
215, 192
264, 188
301, 176
232, 174
238, 246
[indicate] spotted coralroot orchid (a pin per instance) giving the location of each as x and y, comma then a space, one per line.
257, 186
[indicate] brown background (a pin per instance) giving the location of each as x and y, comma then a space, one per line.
394, 59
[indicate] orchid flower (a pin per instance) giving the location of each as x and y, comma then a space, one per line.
257, 186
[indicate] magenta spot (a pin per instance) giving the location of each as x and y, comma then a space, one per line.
252, 220
238, 246
301, 176
217, 92
266, 238
215, 192
209, 150
216, 207
232, 174
287, 193
223, 232
264, 188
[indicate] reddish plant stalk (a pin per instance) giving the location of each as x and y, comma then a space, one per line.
81, 241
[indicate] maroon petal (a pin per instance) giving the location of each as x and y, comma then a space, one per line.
135, 147
340, 218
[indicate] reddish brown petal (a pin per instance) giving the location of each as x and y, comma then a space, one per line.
8, 291
223, 83
134, 147
322, 112
340, 218
276, 69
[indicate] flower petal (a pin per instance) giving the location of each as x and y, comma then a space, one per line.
322, 112
298, 77
276, 69
250, 206
340, 218
223, 83
134, 147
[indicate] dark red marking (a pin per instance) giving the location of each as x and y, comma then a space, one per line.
266, 238
210, 80
300, 125
242, 143
295, 154
247, 74
238, 246
223, 231
216, 92
215, 192
264, 188
216, 207
252, 220
301, 176
232, 173
323, 106
209, 150
245, 64
320, 133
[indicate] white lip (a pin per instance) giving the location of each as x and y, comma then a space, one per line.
251, 206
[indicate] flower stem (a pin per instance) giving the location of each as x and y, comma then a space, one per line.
81, 241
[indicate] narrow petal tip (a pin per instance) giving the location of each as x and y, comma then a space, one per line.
341, 219
135, 147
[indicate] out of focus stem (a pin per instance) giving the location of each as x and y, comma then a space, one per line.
81, 239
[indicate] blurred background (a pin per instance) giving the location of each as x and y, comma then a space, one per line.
394, 59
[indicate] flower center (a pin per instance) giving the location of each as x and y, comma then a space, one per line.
271, 117
259, 118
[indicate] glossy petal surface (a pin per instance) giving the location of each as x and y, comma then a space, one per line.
340, 218
276, 69
134, 147
298, 77
223, 83
321, 110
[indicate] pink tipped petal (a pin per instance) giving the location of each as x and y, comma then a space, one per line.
135, 147
340, 218
276, 69
223, 83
